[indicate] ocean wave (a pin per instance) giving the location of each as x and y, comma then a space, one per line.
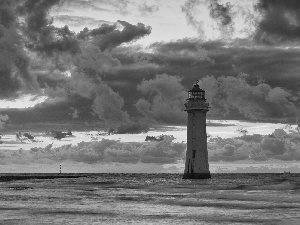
229, 204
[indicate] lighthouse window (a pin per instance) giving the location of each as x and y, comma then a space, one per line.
194, 154
201, 95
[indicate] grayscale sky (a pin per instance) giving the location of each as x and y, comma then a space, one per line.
107, 63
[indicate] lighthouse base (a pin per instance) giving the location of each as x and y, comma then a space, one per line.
196, 176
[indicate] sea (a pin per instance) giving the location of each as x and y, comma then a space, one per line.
142, 198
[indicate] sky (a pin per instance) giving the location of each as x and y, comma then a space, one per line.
128, 65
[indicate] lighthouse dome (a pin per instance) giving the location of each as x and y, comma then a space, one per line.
196, 93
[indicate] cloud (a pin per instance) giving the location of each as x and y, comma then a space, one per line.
280, 22
221, 22
73, 66
234, 95
3, 119
74, 113
184, 50
7, 15
82, 4
147, 9
102, 30
221, 12
229, 97
42, 35
266, 22
100, 152
79, 21
133, 128
193, 59
257, 100
14, 74
117, 69
215, 20
108, 36
36, 13
274, 67
89, 95
67, 69
80, 75
120, 6
108, 106
164, 99
188, 9
279, 145
223, 15
94, 62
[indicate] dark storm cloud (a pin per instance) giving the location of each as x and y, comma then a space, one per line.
280, 21
85, 80
229, 97
278, 67
54, 113
9, 85
269, 91
102, 70
65, 75
14, 73
84, 90
43, 36
7, 17
36, 12
92, 61
101, 152
102, 30
108, 36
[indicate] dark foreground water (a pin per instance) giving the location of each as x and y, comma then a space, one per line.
150, 199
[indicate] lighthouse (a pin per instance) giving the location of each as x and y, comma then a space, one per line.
196, 165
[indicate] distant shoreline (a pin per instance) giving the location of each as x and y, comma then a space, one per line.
27, 176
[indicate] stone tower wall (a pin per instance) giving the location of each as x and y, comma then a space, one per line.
196, 155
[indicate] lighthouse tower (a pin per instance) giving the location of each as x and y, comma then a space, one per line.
196, 165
